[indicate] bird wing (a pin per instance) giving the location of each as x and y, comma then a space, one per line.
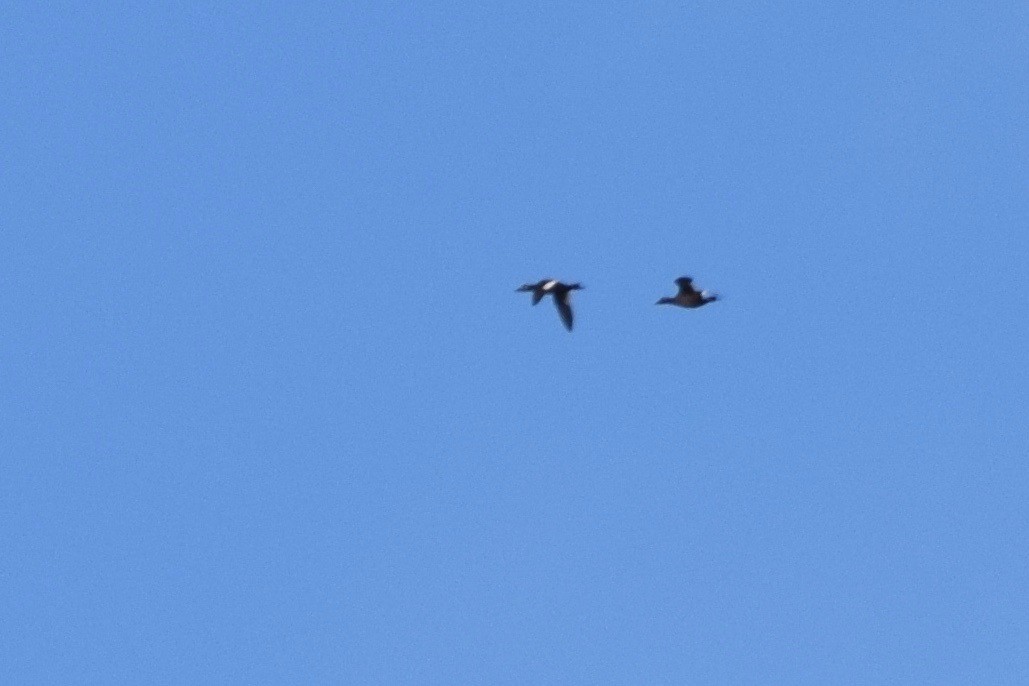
685, 285
537, 295
564, 309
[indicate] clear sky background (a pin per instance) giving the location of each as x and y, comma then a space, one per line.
272, 412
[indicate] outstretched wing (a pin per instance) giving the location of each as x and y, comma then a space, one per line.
685, 285
564, 309
534, 288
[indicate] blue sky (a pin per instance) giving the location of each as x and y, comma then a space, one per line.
273, 413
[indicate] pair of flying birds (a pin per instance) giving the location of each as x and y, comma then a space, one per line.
688, 296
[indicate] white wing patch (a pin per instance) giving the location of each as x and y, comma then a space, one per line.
549, 284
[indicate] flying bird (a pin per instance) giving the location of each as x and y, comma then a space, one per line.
688, 296
560, 292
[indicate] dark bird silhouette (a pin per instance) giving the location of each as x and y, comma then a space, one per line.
559, 290
688, 296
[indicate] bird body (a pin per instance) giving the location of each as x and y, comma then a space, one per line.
688, 296
559, 291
